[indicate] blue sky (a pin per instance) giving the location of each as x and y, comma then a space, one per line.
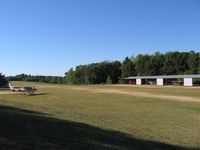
47, 37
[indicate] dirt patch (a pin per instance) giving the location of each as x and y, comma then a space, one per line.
149, 95
140, 94
80, 88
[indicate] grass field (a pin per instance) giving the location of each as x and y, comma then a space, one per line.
101, 117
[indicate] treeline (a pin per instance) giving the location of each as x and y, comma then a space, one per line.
107, 72
31, 78
95, 73
3, 81
170, 63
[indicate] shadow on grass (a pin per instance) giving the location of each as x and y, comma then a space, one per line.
36, 94
22, 129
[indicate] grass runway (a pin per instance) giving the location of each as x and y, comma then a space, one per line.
101, 117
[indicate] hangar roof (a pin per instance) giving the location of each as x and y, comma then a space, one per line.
164, 76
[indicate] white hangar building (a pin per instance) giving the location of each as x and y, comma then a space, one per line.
163, 80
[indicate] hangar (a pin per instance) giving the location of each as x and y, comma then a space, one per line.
186, 80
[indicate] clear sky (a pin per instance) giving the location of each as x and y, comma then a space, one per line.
47, 37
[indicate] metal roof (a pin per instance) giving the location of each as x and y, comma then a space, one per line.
165, 77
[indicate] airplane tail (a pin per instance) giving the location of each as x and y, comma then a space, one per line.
10, 86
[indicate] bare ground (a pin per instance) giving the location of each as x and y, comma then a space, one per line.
149, 95
140, 94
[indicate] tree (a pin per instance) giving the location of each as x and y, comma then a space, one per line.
127, 68
115, 71
109, 80
3, 81
170, 63
193, 62
79, 74
142, 62
69, 76
156, 64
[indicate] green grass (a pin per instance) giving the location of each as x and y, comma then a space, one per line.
64, 117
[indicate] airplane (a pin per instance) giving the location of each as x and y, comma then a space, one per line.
29, 90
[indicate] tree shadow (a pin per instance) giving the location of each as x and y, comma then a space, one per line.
12, 110
23, 129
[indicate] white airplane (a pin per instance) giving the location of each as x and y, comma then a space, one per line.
29, 90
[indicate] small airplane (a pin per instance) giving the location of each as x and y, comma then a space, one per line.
27, 90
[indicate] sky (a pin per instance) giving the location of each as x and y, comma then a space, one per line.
48, 37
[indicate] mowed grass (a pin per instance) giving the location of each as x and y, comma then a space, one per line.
80, 117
